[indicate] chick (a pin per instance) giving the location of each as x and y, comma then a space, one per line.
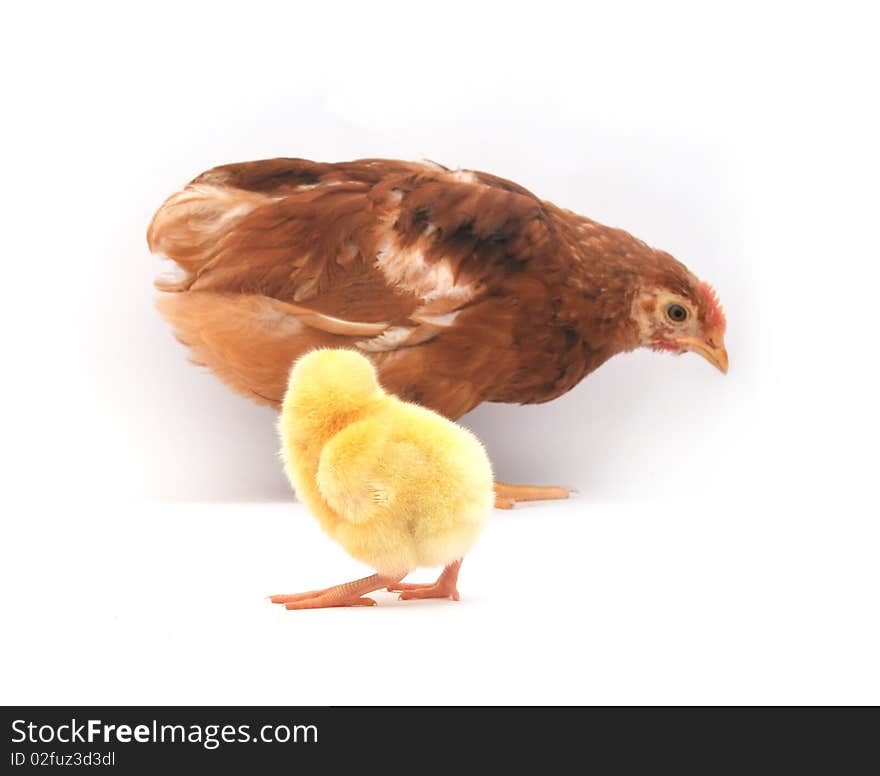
397, 485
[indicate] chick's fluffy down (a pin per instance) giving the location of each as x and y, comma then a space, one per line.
397, 485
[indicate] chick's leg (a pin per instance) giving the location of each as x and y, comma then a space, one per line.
507, 495
347, 594
444, 587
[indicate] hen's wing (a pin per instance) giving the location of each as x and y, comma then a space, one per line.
420, 267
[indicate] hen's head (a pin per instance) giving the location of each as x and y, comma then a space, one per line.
681, 316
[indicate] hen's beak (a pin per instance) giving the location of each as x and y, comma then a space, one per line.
710, 348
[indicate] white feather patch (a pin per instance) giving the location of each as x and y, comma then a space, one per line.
398, 337
464, 176
390, 339
408, 270
443, 321
171, 274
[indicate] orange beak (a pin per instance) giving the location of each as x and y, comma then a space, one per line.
711, 348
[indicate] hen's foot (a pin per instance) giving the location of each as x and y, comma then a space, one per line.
507, 495
444, 587
348, 594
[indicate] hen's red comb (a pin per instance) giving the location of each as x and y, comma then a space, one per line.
715, 312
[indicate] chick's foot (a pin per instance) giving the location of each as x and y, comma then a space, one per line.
347, 594
507, 495
444, 587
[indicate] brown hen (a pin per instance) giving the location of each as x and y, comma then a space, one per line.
461, 287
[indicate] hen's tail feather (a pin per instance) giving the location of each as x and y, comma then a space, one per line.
190, 225
248, 341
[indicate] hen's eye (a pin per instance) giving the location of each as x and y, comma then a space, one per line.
676, 313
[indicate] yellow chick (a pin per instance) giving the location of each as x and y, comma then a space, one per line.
397, 485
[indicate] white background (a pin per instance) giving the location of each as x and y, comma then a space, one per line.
723, 546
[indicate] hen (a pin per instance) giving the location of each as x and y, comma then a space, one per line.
397, 485
459, 286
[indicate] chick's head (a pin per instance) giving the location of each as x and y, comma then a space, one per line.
329, 387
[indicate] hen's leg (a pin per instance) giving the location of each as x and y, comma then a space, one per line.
444, 587
507, 495
348, 594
